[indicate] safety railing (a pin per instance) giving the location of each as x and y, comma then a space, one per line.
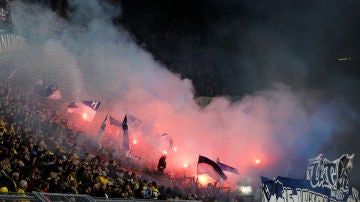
57, 197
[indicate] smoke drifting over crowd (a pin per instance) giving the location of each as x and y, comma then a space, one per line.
281, 125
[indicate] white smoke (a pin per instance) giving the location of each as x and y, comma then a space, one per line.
91, 59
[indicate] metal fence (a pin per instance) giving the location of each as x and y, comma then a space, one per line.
59, 197
29, 197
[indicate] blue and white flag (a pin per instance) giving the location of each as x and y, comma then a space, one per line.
72, 107
102, 128
228, 168
325, 181
95, 105
87, 109
133, 121
289, 189
114, 121
209, 167
268, 187
53, 92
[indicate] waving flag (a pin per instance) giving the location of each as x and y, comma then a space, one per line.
228, 168
94, 105
133, 121
87, 109
72, 107
209, 167
53, 92
168, 138
102, 128
115, 122
103, 125
126, 141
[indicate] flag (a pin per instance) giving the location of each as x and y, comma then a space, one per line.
87, 109
115, 122
72, 107
95, 105
124, 123
53, 92
133, 121
268, 187
102, 128
126, 141
169, 138
103, 125
209, 167
228, 168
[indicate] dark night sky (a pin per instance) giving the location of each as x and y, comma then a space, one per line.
249, 44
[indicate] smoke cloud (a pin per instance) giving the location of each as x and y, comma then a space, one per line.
281, 125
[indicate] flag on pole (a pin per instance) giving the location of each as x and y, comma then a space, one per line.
103, 125
94, 105
133, 121
126, 141
52, 92
72, 107
228, 168
87, 109
169, 138
102, 128
211, 168
115, 122
124, 123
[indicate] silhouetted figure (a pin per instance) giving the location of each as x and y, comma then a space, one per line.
162, 164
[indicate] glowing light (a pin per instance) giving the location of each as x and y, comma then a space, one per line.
135, 141
245, 190
344, 59
257, 161
84, 115
185, 165
203, 179
175, 149
165, 152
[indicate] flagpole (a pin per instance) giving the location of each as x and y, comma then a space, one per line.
288, 168
197, 174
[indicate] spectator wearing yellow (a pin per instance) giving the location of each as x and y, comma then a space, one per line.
102, 177
155, 190
4, 190
22, 187
21, 190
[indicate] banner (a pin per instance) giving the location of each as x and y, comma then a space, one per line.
325, 181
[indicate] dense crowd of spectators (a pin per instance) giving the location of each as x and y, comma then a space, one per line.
35, 155
38, 152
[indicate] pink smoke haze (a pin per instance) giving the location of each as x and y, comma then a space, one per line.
103, 63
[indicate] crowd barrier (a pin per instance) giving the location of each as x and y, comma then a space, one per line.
59, 197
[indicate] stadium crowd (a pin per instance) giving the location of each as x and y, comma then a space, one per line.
39, 152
